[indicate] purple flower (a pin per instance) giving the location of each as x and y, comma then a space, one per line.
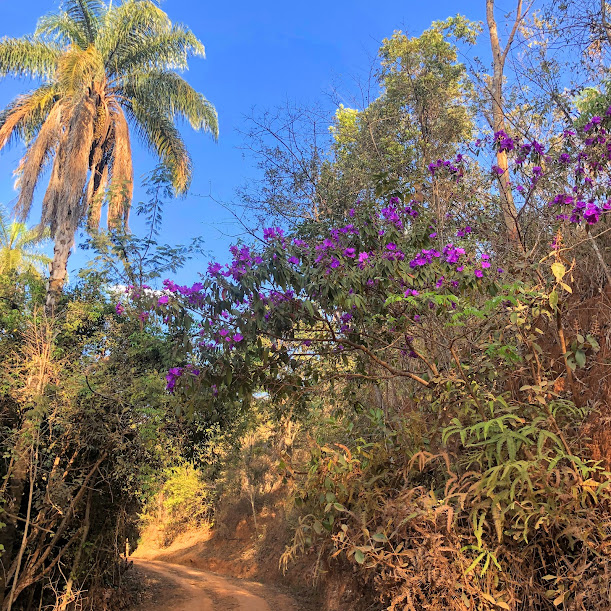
238, 337
453, 254
119, 309
294, 260
271, 233
592, 214
479, 273
391, 215
213, 269
350, 252
504, 142
173, 374
163, 299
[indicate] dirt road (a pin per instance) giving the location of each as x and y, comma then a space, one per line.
172, 587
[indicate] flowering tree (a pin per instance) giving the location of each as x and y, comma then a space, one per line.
394, 292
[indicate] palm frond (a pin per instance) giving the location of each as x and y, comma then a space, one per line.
78, 68
86, 14
4, 224
127, 25
96, 190
37, 261
167, 50
19, 246
60, 27
167, 47
161, 136
24, 116
34, 160
168, 93
121, 172
28, 57
29, 239
62, 203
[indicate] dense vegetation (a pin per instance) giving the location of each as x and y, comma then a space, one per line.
412, 356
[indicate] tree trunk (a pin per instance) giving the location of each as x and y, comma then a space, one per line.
67, 597
12, 508
64, 240
24, 539
508, 207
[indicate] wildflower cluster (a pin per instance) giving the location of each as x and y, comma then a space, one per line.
452, 168
390, 261
174, 373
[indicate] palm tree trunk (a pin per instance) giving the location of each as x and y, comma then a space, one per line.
64, 240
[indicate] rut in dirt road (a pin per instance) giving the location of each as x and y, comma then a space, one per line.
180, 588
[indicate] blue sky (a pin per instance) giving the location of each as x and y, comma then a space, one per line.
259, 54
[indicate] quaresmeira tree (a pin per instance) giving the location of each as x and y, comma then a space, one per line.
103, 70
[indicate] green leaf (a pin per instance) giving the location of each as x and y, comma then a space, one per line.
580, 358
592, 341
553, 299
475, 563
380, 537
359, 556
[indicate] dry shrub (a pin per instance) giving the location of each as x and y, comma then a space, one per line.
505, 518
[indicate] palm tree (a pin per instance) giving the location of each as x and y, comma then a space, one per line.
103, 69
20, 247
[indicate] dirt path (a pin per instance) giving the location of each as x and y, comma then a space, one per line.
172, 587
